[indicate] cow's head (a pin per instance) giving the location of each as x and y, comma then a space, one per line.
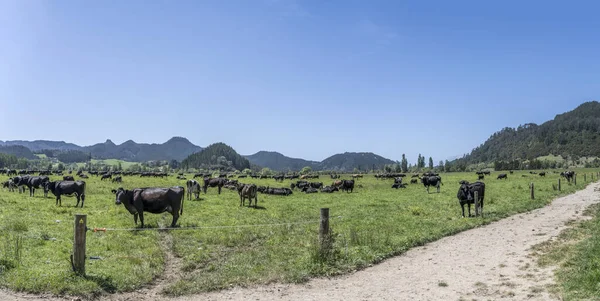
463, 192
120, 196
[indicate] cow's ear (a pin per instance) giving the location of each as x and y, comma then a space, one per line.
114, 191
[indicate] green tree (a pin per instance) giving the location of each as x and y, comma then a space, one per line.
61, 166
266, 171
404, 163
430, 163
305, 170
247, 171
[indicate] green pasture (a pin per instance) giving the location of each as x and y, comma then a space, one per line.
240, 246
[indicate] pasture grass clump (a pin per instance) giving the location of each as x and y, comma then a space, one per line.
237, 246
576, 252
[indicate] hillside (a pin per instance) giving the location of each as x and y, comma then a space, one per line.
177, 148
279, 162
216, 156
350, 161
339, 162
17, 151
575, 133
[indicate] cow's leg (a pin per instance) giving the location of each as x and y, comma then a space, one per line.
438, 187
141, 216
82, 199
175, 218
135, 218
219, 189
462, 206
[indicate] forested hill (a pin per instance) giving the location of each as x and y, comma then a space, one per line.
574, 133
345, 162
279, 162
216, 156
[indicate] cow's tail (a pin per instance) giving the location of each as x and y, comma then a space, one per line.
182, 199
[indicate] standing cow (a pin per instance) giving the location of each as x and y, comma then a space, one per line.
466, 195
193, 187
432, 181
69, 188
214, 182
248, 191
153, 200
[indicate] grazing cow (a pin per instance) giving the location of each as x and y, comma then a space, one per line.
262, 189
153, 200
69, 188
248, 191
502, 176
414, 181
329, 189
68, 178
511, 172
37, 182
568, 175
193, 187
117, 179
83, 176
214, 182
11, 172
542, 174
106, 176
487, 172
9, 184
398, 183
466, 195
347, 185
278, 178
481, 177
20, 182
434, 181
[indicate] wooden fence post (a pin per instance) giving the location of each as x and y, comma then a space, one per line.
324, 229
558, 184
575, 179
476, 195
78, 257
532, 188
584, 178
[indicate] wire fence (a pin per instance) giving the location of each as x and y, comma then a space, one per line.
203, 227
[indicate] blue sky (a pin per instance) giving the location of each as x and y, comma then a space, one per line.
305, 78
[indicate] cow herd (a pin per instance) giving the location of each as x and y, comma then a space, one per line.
170, 199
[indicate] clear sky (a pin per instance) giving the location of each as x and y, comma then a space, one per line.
305, 78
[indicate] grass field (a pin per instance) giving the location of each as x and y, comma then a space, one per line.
369, 225
111, 162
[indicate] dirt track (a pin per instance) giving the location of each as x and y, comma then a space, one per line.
489, 262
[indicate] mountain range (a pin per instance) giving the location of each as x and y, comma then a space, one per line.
176, 148
347, 161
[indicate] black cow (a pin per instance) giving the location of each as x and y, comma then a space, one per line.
481, 177
466, 195
348, 185
20, 182
214, 182
542, 174
316, 185
278, 178
301, 184
398, 183
434, 181
83, 176
502, 176
69, 188
278, 191
117, 179
193, 187
37, 182
414, 181
106, 176
329, 189
68, 178
153, 200
310, 190
248, 191
262, 189
487, 172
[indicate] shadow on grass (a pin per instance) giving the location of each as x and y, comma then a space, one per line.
106, 283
